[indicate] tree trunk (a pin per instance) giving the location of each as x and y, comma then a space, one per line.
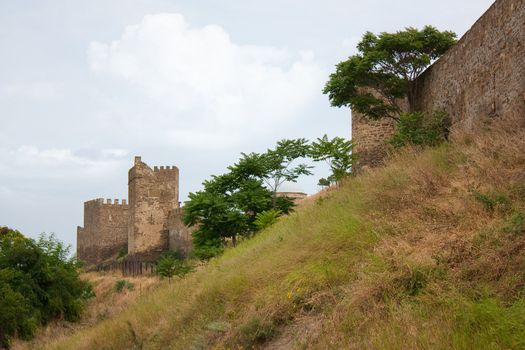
412, 95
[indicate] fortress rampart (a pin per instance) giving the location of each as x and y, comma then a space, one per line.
105, 230
482, 76
178, 233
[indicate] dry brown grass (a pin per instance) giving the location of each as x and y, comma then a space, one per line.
425, 204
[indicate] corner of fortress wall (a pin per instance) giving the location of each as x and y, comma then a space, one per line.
482, 76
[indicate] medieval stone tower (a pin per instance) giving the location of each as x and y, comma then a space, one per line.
150, 224
153, 193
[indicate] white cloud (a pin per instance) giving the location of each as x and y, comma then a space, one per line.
32, 162
38, 90
197, 84
115, 152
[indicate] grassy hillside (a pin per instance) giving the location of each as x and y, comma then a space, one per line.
428, 252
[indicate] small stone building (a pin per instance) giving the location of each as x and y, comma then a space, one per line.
293, 195
148, 225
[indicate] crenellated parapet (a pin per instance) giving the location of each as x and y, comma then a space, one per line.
108, 201
166, 168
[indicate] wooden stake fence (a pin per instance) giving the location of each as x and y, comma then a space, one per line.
129, 267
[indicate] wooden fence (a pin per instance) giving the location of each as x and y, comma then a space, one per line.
129, 267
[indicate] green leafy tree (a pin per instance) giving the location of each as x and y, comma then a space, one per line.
224, 210
275, 166
227, 206
38, 282
337, 153
385, 70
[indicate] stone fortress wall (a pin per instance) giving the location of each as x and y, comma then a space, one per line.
150, 224
179, 236
105, 230
482, 76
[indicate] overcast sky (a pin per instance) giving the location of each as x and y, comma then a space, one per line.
86, 85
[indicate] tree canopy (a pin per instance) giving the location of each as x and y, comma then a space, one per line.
228, 205
337, 153
384, 70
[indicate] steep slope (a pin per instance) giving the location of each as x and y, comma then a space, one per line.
427, 252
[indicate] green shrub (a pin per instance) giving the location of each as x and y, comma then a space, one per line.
418, 129
266, 218
168, 265
38, 283
121, 284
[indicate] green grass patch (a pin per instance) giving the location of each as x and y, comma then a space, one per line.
487, 324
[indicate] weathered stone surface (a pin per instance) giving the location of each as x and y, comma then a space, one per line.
482, 76
179, 234
153, 193
369, 138
105, 230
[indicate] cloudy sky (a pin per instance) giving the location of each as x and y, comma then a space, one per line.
86, 85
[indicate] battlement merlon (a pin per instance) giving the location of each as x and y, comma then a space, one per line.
165, 168
100, 201
141, 169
